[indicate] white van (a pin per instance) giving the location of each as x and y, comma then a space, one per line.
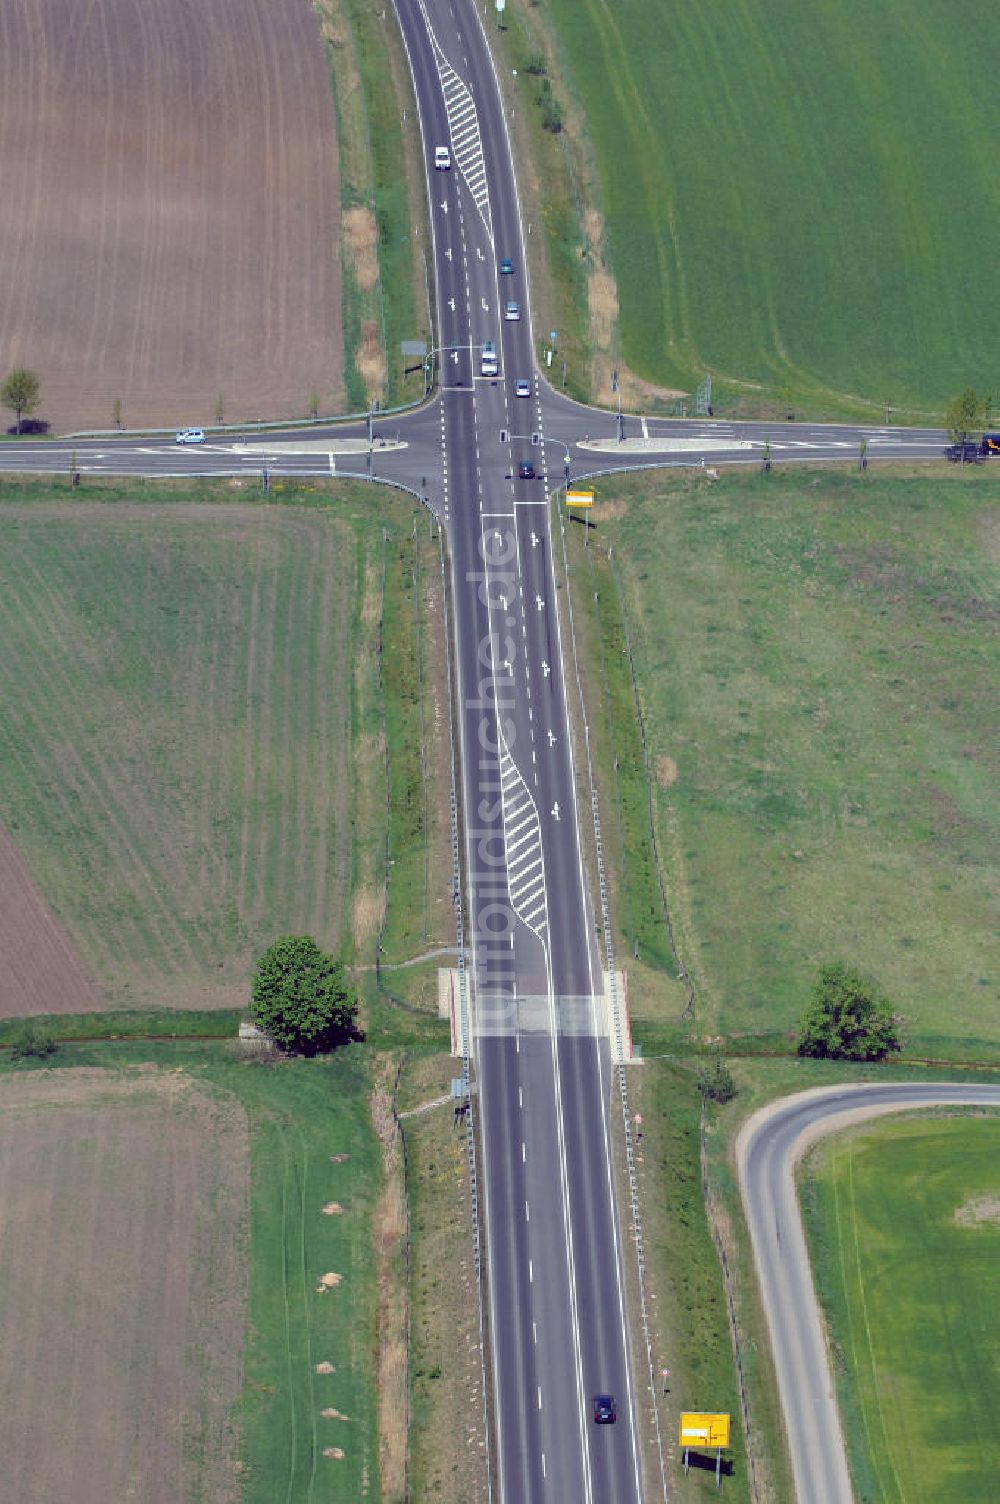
442, 158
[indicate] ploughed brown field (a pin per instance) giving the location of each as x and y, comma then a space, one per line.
169, 231
41, 971
124, 1288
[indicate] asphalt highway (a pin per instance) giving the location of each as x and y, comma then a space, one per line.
768, 1149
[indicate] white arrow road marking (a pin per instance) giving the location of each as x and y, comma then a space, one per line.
555, 810
451, 304
545, 669
534, 540
486, 306
539, 603
552, 738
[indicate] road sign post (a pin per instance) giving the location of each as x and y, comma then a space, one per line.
704, 1429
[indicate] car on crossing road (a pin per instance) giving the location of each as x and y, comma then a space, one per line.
525, 470
189, 436
522, 388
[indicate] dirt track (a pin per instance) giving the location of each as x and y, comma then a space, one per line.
170, 226
123, 1257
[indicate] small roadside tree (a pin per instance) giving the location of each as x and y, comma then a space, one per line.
33, 1041
716, 1082
20, 393
967, 415
301, 998
848, 1019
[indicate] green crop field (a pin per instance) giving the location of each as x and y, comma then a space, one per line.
184, 695
817, 662
905, 1229
803, 197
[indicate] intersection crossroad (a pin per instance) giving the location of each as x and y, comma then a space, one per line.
555, 1247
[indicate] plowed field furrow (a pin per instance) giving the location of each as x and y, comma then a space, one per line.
124, 1209
164, 842
60, 736
171, 205
263, 813
332, 771
166, 767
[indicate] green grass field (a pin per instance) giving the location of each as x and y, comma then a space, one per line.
905, 1229
801, 197
817, 664
182, 708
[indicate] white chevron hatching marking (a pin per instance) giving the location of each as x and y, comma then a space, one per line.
463, 126
525, 870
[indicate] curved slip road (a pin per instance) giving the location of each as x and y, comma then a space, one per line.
769, 1146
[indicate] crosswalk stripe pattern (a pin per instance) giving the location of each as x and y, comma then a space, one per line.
523, 846
463, 125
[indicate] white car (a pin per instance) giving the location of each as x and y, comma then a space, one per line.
190, 436
442, 158
512, 311
522, 388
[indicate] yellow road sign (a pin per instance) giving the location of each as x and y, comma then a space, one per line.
579, 498
700, 1430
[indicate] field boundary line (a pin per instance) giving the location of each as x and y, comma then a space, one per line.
465, 1015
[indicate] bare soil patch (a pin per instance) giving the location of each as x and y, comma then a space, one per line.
171, 224
41, 971
361, 240
125, 1221
666, 771
980, 1209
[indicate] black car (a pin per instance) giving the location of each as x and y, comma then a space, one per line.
526, 470
605, 1413
963, 454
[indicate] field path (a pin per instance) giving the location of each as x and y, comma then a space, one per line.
170, 232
